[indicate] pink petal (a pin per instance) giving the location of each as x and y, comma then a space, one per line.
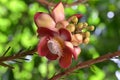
42, 31
78, 15
44, 20
62, 24
42, 47
58, 12
65, 34
69, 44
51, 56
74, 49
77, 52
37, 15
66, 58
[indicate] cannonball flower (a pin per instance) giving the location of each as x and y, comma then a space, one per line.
55, 37
56, 45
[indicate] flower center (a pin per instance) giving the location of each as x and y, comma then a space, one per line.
54, 47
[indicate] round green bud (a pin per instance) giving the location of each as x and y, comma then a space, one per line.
74, 19
85, 24
86, 40
71, 27
87, 34
80, 25
91, 28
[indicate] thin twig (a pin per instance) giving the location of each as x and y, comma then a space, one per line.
85, 64
17, 55
6, 65
50, 4
6, 51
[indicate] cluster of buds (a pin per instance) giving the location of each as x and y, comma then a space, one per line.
80, 31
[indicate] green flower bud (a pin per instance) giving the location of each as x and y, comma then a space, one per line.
85, 24
86, 40
74, 19
91, 28
71, 27
80, 25
87, 34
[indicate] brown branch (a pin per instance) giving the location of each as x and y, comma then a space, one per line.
85, 64
50, 4
45, 2
6, 65
17, 55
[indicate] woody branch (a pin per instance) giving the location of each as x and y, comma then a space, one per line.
49, 4
17, 55
85, 64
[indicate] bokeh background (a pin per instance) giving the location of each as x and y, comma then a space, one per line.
18, 31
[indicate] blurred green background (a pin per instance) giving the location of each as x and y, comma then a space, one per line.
18, 31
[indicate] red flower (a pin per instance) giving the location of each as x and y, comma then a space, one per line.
55, 42
57, 45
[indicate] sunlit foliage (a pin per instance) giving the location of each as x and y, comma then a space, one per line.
18, 31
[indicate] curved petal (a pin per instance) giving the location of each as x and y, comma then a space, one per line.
77, 39
37, 15
42, 31
77, 52
51, 56
74, 49
65, 34
62, 24
66, 58
42, 47
58, 12
44, 20
78, 15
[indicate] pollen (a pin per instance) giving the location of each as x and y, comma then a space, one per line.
54, 47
